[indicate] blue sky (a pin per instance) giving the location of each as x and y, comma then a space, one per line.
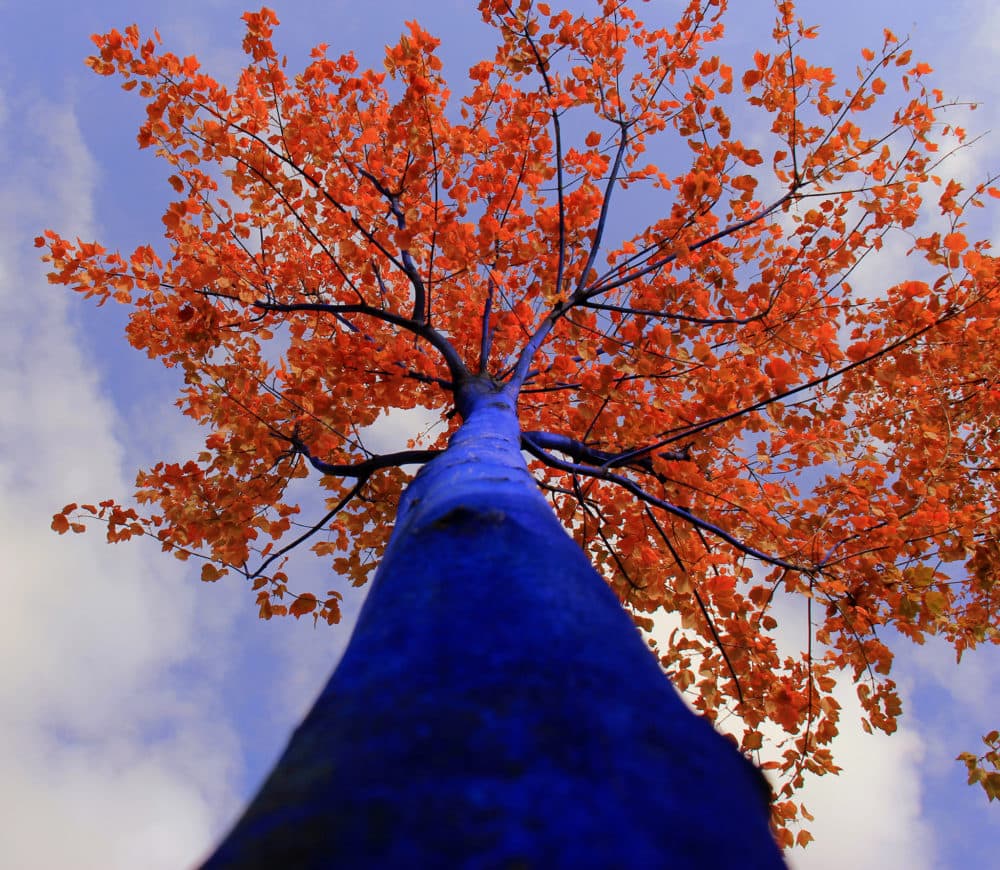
139, 707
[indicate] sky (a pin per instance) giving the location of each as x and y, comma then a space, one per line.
139, 708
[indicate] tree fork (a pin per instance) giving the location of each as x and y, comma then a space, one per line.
496, 707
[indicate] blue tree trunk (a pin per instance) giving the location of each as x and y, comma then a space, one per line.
496, 707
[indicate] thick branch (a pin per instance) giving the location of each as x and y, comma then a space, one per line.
364, 469
319, 524
601, 458
777, 397
485, 335
675, 315
604, 283
605, 206
454, 362
408, 265
649, 498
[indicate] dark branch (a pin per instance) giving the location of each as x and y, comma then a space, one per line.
647, 497
697, 597
604, 283
319, 524
605, 206
423, 330
675, 315
364, 469
409, 267
777, 397
581, 452
486, 335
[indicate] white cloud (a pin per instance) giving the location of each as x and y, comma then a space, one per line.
874, 814
871, 816
108, 758
968, 683
900, 802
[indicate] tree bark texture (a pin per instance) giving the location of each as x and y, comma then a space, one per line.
496, 707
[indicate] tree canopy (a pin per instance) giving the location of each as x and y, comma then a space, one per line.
721, 405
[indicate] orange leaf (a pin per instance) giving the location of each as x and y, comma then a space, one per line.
209, 573
955, 242
302, 605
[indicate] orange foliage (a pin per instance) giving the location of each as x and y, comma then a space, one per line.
746, 424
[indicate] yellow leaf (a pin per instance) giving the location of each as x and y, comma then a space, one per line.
936, 602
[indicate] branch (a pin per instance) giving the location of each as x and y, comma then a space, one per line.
604, 284
674, 315
360, 470
697, 597
486, 336
605, 206
336, 509
636, 490
541, 64
588, 508
583, 453
829, 376
454, 362
408, 266
413, 374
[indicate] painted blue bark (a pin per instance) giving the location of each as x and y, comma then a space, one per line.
497, 708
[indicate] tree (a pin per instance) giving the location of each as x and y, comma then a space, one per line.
711, 408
